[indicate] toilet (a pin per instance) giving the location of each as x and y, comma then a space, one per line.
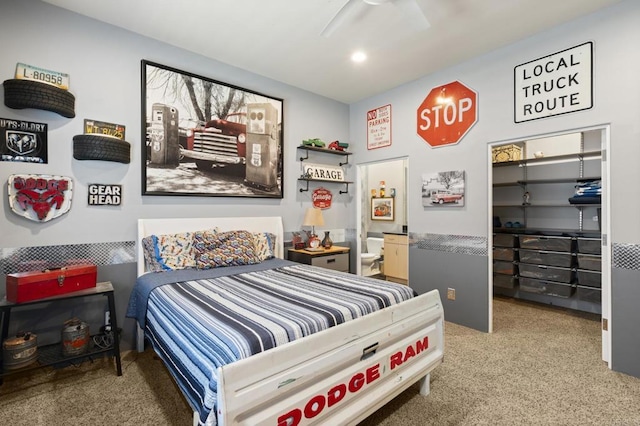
369, 259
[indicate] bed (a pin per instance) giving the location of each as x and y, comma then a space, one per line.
338, 348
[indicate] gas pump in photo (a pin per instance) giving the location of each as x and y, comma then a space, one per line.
164, 138
262, 146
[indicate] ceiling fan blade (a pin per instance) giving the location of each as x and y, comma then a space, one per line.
413, 14
343, 15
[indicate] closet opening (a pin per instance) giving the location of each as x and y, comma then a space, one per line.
549, 209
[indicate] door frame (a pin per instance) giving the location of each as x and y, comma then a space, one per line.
605, 225
359, 195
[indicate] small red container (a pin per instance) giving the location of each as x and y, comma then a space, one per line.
34, 285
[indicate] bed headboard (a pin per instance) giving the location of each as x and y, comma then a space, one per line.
148, 227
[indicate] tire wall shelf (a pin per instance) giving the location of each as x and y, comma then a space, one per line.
23, 94
306, 181
562, 270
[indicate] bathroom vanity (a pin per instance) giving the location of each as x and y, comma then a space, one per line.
396, 257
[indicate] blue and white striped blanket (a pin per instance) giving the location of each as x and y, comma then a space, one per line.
215, 317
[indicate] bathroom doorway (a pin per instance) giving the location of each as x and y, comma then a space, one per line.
390, 178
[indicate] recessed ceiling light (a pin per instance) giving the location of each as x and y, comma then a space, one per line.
359, 56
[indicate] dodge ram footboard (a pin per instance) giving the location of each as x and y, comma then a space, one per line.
338, 376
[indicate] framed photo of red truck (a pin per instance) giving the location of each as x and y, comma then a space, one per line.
383, 208
204, 137
443, 189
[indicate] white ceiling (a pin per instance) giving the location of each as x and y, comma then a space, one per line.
280, 39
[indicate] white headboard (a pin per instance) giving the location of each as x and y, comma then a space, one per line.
148, 227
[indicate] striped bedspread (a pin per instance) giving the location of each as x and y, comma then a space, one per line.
197, 325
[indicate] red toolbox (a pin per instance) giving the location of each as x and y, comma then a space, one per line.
33, 285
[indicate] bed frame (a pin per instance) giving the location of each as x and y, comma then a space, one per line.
338, 376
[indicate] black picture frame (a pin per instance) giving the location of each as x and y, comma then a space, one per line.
204, 137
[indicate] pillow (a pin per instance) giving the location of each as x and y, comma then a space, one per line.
150, 254
230, 248
265, 244
175, 251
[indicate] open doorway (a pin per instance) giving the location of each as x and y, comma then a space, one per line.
382, 209
549, 197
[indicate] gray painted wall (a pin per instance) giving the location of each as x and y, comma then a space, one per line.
104, 67
465, 273
625, 295
615, 34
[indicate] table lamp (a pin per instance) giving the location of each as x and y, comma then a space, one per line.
313, 217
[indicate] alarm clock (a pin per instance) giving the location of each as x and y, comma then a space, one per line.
314, 242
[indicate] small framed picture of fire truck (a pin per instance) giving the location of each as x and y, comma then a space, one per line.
204, 137
382, 208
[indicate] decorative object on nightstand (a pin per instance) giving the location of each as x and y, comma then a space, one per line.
326, 241
297, 241
313, 217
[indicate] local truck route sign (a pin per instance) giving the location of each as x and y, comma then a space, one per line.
447, 113
555, 84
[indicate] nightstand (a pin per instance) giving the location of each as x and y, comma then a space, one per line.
336, 258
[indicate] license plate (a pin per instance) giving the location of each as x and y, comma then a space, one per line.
105, 129
28, 72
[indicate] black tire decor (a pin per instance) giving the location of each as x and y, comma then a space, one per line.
21, 94
98, 147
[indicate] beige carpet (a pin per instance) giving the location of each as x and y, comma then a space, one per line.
541, 366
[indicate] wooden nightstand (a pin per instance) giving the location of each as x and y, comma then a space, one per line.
336, 258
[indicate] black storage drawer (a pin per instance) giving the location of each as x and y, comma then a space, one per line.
589, 278
589, 294
589, 245
506, 268
504, 281
545, 242
504, 240
547, 273
592, 262
503, 253
543, 257
548, 288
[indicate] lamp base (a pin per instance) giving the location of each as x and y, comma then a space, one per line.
314, 249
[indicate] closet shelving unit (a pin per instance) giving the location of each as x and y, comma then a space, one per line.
551, 260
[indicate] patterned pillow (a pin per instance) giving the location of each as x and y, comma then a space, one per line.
150, 254
175, 251
265, 244
230, 248
170, 251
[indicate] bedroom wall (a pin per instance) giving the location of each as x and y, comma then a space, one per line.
104, 67
450, 245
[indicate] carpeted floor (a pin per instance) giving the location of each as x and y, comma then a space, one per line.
541, 366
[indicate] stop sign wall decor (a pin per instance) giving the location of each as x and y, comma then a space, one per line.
447, 114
